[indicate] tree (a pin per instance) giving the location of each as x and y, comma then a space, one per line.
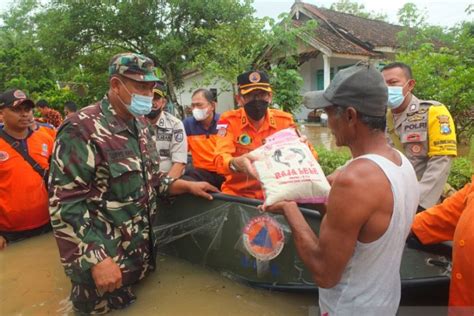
257, 44
442, 61
169, 32
354, 8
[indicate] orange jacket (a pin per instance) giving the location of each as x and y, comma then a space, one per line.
23, 194
202, 143
453, 220
236, 137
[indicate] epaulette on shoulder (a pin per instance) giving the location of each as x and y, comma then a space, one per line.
231, 113
280, 113
171, 117
45, 125
429, 102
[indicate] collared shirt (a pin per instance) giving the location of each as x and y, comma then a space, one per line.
235, 137
202, 142
171, 141
103, 175
23, 193
428, 138
453, 220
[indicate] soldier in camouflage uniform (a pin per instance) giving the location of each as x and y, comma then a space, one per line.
103, 180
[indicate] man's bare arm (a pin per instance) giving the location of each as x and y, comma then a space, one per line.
352, 201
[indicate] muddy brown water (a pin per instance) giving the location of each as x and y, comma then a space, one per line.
32, 282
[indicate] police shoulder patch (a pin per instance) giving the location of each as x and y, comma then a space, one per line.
178, 135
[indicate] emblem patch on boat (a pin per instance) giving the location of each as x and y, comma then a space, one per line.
263, 237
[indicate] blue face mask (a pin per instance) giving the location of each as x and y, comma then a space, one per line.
139, 104
395, 96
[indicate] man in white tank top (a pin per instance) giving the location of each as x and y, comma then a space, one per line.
371, 205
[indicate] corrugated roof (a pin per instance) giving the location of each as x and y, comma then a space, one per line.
349, 34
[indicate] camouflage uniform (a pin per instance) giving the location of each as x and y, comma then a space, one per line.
103, 176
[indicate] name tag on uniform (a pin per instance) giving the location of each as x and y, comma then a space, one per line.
119, 154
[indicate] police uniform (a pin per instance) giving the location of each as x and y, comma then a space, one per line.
103, 176
171, 141
425, 132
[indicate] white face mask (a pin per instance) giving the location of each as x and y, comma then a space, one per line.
200, 114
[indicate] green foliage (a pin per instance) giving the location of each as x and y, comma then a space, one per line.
461, 171
331, 160
410, 16
257, 44
354, 8
442, 61
69, 43
287, 83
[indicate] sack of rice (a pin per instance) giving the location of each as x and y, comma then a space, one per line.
287, 170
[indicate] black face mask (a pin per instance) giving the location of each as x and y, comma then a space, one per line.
256, 109
154, 114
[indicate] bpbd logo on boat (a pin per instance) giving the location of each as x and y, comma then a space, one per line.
263, 237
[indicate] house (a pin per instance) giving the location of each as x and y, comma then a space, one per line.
339, 41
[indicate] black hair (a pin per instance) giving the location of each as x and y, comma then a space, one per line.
42, 103
208, 95
71, 106
406, 69
375, 123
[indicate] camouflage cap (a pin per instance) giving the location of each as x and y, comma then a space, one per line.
134, 66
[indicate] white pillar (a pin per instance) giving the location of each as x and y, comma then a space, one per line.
327, 71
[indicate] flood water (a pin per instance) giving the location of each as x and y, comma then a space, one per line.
32, 282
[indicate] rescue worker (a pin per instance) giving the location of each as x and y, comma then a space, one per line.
423, 130
453, 220
202, 132
243, 130
170, 136
24, 161
104, 183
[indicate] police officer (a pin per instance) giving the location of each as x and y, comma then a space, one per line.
171, 143
423, 130
104, 172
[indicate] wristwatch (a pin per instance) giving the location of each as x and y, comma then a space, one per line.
232, 167
167, 180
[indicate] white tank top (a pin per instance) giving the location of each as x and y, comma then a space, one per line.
370, 284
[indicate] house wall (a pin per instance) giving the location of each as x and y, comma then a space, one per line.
225, 102
309, 70
224, 93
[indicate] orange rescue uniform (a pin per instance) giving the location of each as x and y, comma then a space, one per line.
202, 143
235, 137
453, 220
23, 193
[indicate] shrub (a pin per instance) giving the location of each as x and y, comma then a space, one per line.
330, 160
461, 171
